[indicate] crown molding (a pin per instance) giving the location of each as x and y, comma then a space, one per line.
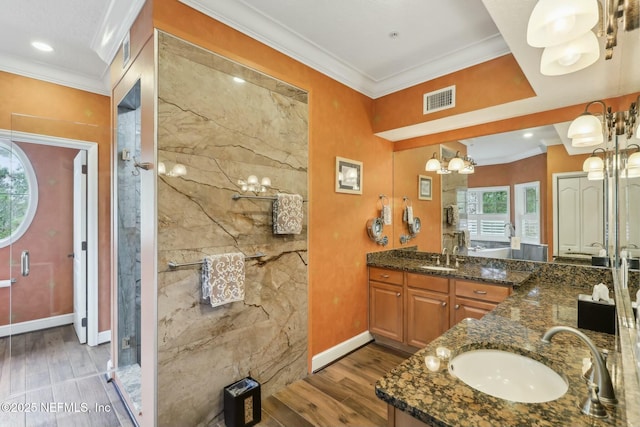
251, 22
120, 16
51, 74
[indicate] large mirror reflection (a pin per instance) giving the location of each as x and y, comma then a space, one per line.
521, 195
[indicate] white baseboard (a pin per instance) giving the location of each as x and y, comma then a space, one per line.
321, 360
36, 325
104, 336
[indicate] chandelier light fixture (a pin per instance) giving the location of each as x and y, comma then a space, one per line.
565, 30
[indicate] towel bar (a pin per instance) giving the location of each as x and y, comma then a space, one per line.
173, 265
237, 196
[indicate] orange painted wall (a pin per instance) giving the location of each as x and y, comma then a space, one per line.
65, 106
339, 125
48, 290
525, 170
408, 165
494, 82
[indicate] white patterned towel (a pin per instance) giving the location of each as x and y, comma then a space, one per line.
223, 278
287, 214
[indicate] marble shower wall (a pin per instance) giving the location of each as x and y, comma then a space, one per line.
223, 131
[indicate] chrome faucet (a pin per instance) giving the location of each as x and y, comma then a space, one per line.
603, 379
444, 252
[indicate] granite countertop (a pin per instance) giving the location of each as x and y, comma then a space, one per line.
517, 324
468, 269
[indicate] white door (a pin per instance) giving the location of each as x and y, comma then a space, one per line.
80, 252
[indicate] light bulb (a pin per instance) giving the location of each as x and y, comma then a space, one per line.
252, 180
455, 164
162, 169
585, 130
593, 163
595, 175
179, 170
266, 182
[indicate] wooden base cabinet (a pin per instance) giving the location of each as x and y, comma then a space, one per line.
386, 310
474, 299
427, 316
409, 310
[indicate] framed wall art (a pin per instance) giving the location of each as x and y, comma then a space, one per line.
425, 188
348, 176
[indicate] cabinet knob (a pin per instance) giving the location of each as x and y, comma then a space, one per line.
475, 291
444, 304
397, 294
457, 306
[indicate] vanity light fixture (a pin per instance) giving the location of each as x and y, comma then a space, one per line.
587, 130
177, 170
564, 29
253, 184
463, 165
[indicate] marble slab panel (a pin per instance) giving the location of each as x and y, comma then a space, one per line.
223, 131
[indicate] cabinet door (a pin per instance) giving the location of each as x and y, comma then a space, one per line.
465, 308
385, 310
427, 316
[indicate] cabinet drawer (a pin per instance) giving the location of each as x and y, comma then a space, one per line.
428, 282
482, 291
385, 275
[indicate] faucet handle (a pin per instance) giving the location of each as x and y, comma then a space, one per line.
591, 405
437, 258
458, 261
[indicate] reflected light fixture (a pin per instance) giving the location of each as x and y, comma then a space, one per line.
177, 170
253, 184
463, 165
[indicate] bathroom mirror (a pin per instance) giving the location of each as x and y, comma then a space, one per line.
514, 171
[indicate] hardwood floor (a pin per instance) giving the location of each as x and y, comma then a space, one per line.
48, 379
341, 394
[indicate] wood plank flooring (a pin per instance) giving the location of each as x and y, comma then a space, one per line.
49, 379
342, 394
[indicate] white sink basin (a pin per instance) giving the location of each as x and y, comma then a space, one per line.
438, 268
509, 376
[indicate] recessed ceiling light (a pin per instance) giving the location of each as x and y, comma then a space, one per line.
394, 34
238, 80
42, 46
527, 135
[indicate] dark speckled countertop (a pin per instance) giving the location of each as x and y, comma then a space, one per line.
544, 295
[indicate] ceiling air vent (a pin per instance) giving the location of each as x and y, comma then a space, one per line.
439, 100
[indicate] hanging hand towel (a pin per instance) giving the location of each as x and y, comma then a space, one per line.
409, 215
223, 278
287, 214
386, 214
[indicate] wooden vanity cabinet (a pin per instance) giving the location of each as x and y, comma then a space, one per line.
386, 303
411, 310
475, 299
427, 308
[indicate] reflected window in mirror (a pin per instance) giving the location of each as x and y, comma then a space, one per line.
527, 211
488, 213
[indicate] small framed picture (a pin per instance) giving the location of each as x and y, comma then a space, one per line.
348, 176
425, 188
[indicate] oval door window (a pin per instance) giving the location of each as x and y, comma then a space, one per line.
18, 192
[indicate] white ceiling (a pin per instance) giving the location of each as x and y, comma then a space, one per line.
85, 36
346, 40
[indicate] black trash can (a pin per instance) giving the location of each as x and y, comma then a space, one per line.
242, 407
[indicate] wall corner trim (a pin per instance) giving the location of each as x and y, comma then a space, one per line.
321, 360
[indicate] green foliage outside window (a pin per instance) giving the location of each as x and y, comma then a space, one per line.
495, 202
14, 193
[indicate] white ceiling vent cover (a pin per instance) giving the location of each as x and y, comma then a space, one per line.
440, 99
